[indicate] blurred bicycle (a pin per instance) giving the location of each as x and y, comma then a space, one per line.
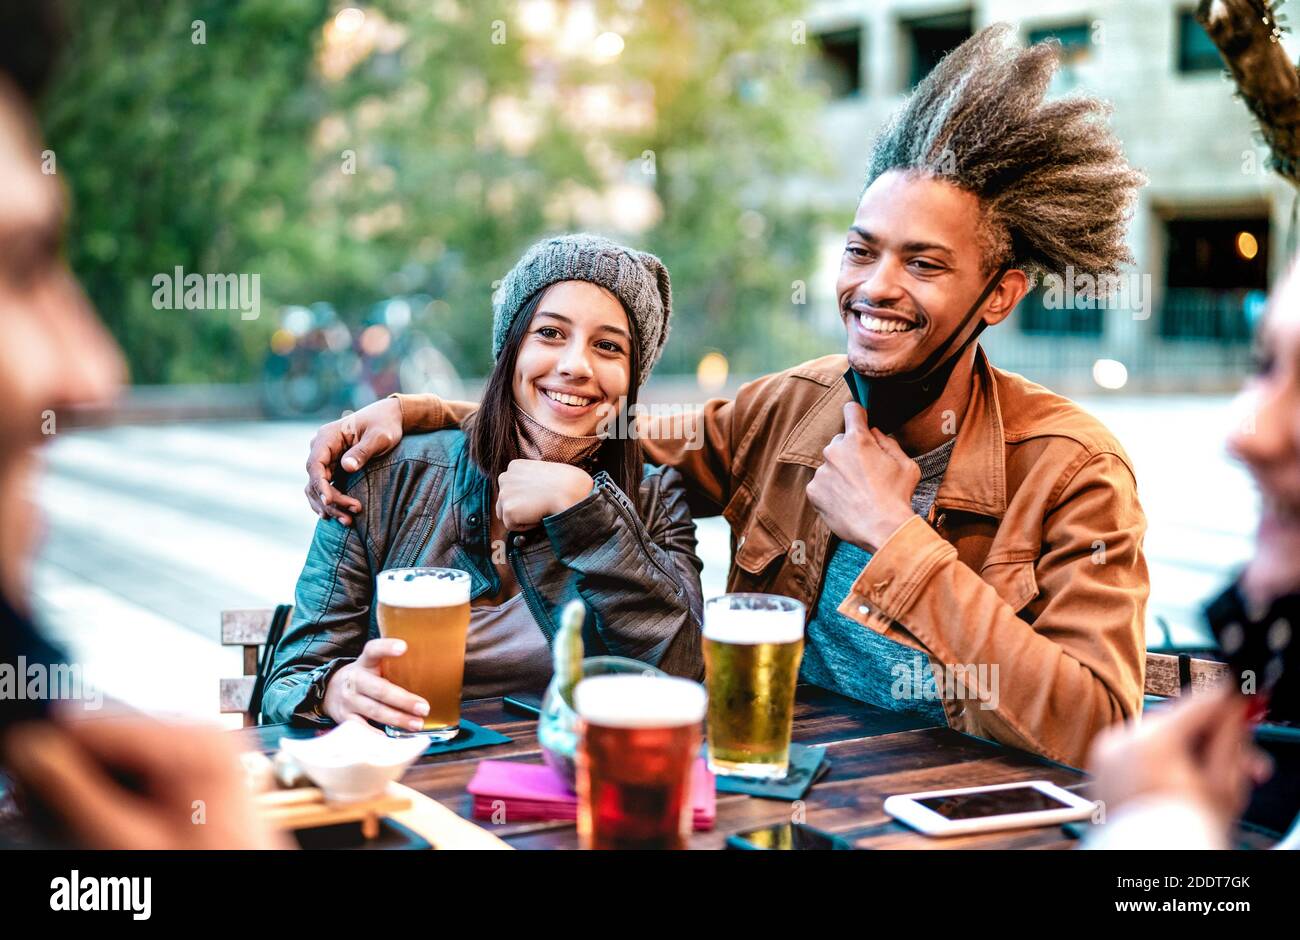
317, 365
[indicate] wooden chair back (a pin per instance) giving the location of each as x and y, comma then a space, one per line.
1167, 675
246, 628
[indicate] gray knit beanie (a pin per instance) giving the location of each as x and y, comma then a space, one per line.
636, 278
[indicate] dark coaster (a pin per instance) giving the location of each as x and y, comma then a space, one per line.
1077, 830
392, 835
469, 736
807, 766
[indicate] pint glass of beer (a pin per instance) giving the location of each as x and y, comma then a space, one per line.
638, 741
753, 644
429, 609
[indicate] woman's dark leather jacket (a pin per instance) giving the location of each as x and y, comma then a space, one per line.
426, 503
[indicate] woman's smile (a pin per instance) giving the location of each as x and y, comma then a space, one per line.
569, 403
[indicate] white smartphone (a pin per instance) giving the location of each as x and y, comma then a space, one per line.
982, 809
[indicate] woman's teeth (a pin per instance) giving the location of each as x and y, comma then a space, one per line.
564, 399
877, 325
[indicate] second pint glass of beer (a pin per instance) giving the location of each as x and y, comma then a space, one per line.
753, 644
429, 609
638, 743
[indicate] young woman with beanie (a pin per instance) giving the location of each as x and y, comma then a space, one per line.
534, 500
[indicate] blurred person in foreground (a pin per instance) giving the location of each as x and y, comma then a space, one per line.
1182, 777
967, 523
55, 356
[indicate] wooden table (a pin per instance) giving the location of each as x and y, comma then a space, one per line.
866, 767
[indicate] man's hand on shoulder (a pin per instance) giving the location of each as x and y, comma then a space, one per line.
350, 442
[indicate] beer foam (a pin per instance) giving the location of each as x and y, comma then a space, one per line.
729, 625
427, 587
630, 701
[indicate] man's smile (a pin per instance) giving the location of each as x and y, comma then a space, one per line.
873, 327
883, 324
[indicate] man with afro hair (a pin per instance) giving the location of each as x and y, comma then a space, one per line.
968, 545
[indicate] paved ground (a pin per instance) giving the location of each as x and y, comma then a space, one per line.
153, 530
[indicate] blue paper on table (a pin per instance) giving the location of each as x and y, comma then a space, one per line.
470, 736
807, 766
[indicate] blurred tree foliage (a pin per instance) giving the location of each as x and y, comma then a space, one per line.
421, 149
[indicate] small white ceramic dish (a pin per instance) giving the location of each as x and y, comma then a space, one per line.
353, 762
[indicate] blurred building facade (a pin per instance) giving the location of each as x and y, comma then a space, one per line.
1210, 232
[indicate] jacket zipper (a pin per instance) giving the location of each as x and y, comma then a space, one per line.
428, 533
526, 586
637, 531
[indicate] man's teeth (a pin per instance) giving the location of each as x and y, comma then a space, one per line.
877, 325
567, 399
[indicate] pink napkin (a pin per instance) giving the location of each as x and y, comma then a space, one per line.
533, 792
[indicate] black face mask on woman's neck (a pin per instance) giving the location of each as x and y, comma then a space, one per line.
891, 401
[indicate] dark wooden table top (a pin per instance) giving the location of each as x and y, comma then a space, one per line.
869, 762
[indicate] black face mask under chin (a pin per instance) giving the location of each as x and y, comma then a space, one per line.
893, 400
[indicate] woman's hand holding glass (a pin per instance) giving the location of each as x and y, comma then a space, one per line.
358, 690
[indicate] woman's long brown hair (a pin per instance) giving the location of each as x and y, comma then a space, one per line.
493, 441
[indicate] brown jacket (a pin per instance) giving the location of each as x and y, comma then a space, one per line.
1031, 560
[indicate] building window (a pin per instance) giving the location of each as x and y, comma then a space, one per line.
1075, 38
1216, 270
1037, 319
1076, 48
1196, 51
839, 66
930, 38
